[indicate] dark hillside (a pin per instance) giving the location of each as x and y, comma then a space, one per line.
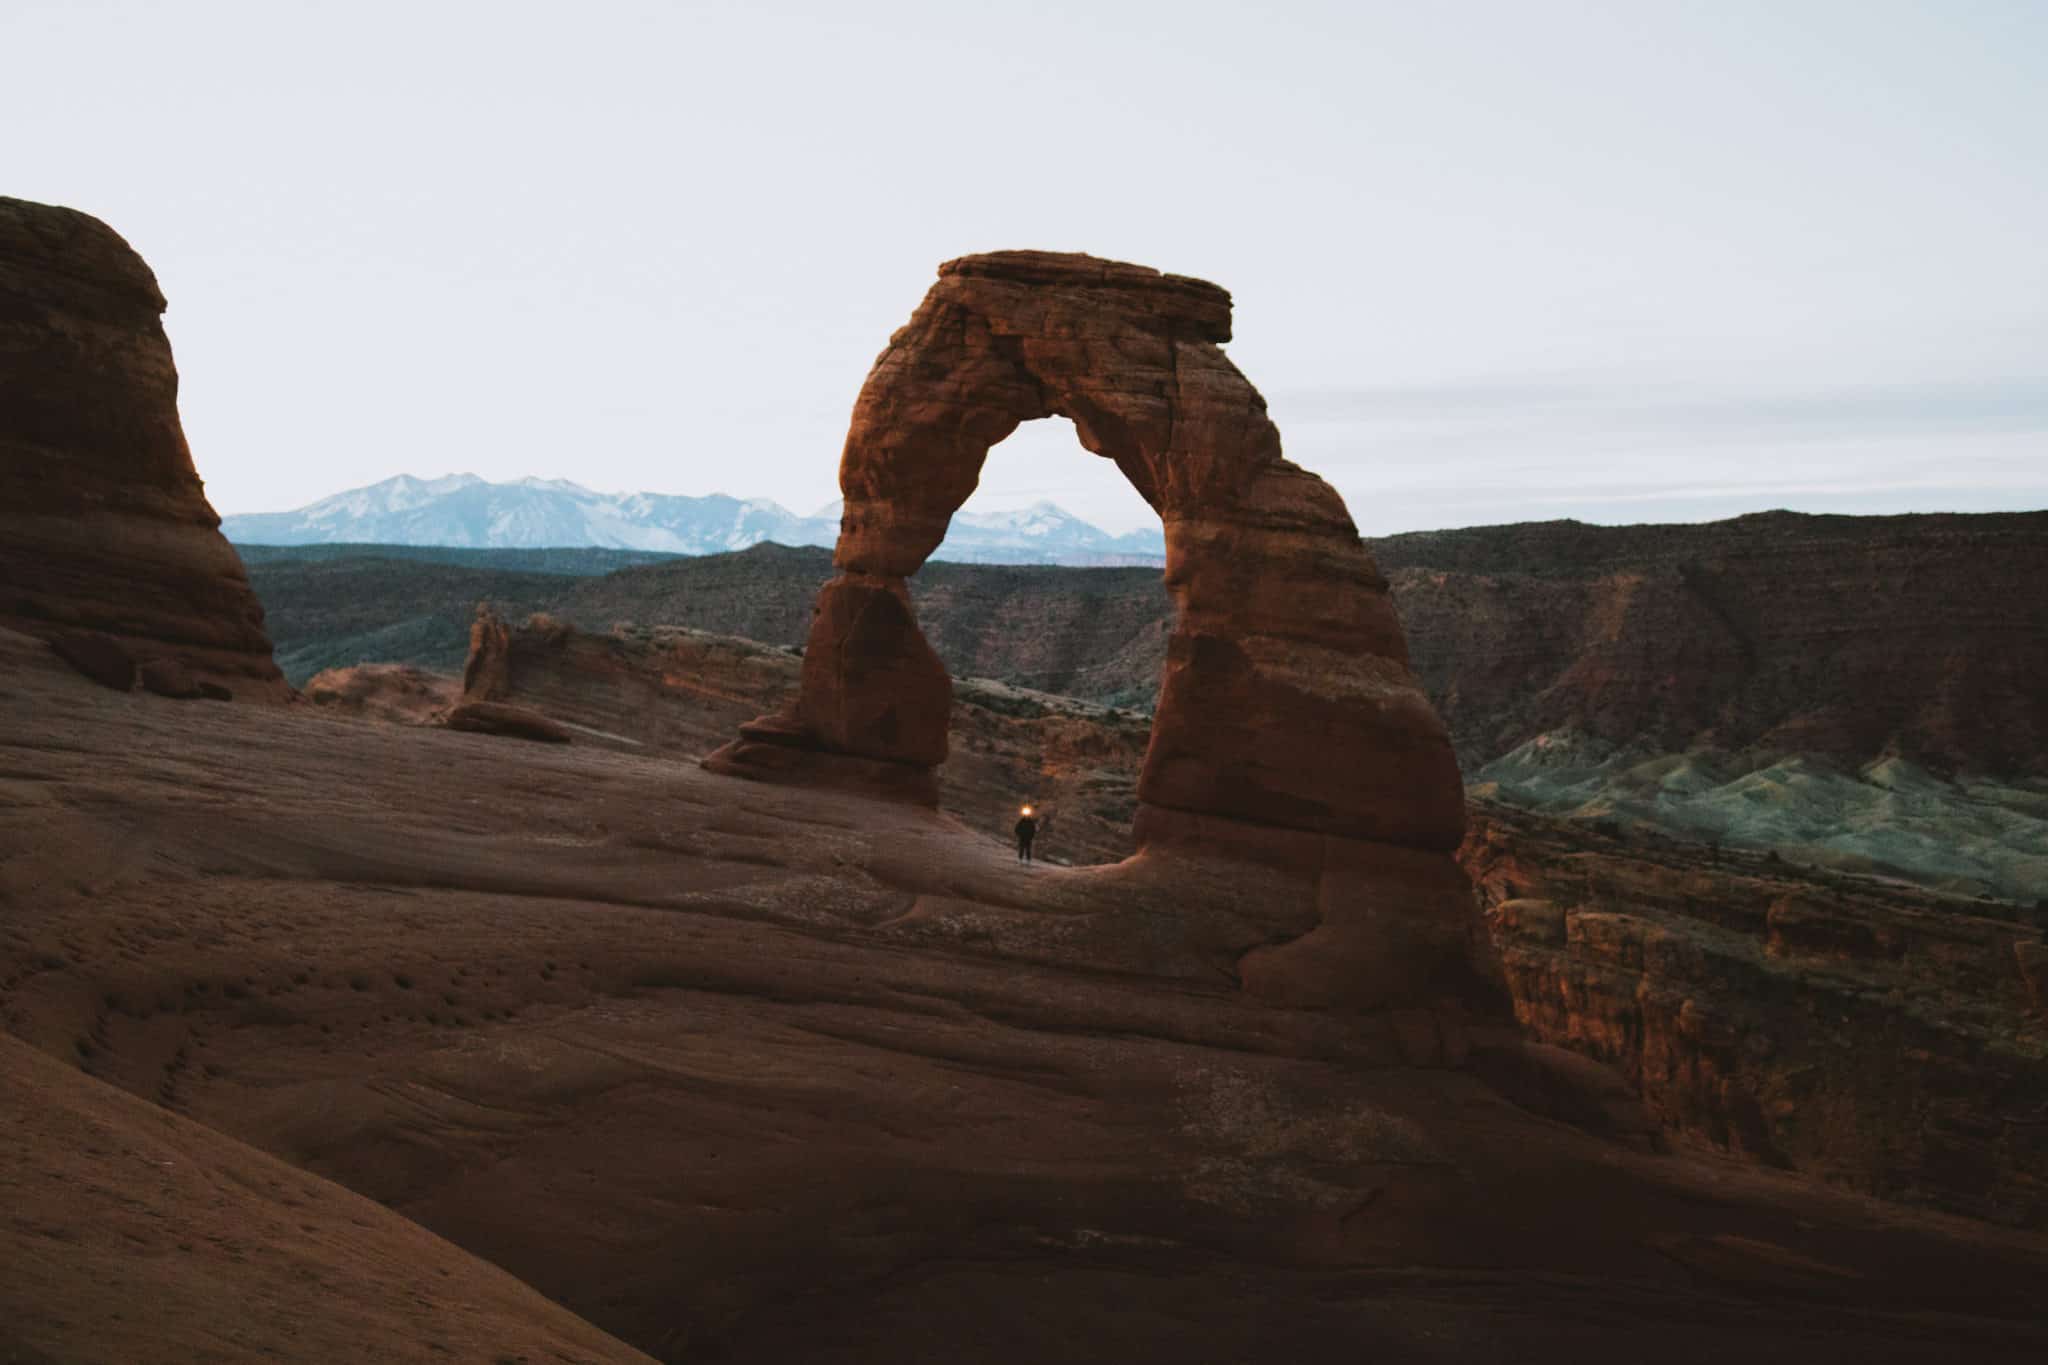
1843, 637
575, 560
335, 611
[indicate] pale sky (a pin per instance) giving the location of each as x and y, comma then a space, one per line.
1492, 261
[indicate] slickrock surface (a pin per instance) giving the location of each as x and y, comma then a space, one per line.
104, 526
1286, 700
1882, 1038
132, 1234
764, 1073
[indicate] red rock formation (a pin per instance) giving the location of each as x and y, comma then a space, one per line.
1286, 699
390, 692
1874, 1036
502, 718
486, 673
104, 524
682, 692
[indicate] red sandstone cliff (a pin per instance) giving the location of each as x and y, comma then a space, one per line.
105, 531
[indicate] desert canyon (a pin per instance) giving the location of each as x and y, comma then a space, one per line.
647, 991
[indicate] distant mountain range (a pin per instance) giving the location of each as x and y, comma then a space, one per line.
464, 510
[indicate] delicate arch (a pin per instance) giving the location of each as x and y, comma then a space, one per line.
1286, 698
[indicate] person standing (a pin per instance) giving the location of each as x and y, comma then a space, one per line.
1027, 830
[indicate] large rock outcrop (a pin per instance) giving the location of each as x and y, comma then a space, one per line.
105, 531
1877, 1037
1286, 699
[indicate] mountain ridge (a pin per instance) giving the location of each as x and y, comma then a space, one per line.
531, 513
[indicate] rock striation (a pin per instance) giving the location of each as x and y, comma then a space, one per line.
107, 543
1286, 699
1877, 1037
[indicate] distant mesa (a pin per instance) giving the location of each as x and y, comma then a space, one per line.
464, 511
108, 547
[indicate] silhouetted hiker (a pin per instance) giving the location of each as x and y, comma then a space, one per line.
1027, 830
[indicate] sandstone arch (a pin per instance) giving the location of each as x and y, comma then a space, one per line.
1287, 700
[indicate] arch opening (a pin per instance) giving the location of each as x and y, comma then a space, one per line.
1054, 663
1043, 465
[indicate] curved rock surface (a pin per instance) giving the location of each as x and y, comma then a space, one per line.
1286, 699
105, 530
751, 1073
132, 1233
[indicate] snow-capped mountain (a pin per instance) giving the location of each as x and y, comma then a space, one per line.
1043, 523
464, 510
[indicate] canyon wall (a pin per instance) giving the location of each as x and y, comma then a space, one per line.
1923, 636
1890, 1040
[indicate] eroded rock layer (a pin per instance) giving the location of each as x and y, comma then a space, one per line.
1286, 698
1884, 1039
105, 531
